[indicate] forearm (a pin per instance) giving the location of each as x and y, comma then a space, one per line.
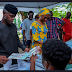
40, 42
62, 25
32, 65
20, 44
31, 34
24, 33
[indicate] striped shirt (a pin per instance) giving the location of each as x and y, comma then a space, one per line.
52, 27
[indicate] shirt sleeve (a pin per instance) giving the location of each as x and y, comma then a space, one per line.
35, 32
60, 21
24, 25
22, 46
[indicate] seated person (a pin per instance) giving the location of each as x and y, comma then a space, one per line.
55, 55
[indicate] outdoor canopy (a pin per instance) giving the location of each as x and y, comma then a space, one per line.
33, 6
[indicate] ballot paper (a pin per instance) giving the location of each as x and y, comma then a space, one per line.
25, 55
20, 57
34, 51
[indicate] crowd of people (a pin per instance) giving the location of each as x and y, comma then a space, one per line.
42, 31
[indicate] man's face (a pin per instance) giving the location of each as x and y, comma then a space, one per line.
9, 17
30, 16
68, 14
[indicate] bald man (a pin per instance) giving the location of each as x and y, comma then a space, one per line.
67, 27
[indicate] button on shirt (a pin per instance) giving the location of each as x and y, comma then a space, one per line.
26, 27
52, 27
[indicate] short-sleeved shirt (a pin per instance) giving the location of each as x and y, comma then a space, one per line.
67, 26
26, 27
52, 27
39, 33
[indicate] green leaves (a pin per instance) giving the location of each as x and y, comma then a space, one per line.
62, 10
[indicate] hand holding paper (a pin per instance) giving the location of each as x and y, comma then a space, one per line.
3, 59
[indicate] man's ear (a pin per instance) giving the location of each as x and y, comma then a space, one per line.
4, 12
46, 65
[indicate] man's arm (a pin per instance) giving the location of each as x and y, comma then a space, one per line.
22, 46
62, 25
24, 29
24, 35
61, 22
31, 34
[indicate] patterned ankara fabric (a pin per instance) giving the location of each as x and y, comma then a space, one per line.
44, 11
39, 33
52, 27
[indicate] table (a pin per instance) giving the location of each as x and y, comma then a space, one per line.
25, 65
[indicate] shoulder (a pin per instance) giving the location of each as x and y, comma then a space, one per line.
25, 20
64, 19
35, 23
33, 19
14, 25
1, 25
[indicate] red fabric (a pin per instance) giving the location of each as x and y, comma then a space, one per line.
59, 24
68, 29
67, 26
66, 37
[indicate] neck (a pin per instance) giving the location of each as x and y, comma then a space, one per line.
66, 17
4, 21
41, 21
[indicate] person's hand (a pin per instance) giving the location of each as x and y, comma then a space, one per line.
3, 59
70, 62
27, 50
40, 51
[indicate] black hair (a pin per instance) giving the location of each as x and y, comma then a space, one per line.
57, 53
30, 12
37, 16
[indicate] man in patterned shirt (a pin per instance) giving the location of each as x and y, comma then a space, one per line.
52, 23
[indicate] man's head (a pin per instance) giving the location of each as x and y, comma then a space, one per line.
62, 17
55, 54
68, 15
9, 12
30, 13
36, 17
50, 16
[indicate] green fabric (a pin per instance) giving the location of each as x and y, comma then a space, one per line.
68, 66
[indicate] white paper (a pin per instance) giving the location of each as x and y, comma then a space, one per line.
7, 65
19, 62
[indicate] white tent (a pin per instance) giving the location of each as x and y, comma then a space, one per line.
34, 6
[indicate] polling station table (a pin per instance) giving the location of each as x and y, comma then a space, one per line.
25, 65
